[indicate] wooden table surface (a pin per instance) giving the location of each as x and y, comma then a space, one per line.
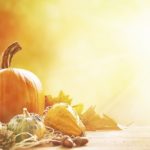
132, 138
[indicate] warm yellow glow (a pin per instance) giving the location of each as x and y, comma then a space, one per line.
97, 51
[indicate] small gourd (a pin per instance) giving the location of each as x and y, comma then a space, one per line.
63, 117
27, 123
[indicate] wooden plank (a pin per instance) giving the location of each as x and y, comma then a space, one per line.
133, 138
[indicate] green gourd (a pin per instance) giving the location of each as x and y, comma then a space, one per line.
27, 123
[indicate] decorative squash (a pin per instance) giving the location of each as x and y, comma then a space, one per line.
27, 123
63, 117
18, 88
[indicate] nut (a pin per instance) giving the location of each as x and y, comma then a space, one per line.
67, 142
80, 141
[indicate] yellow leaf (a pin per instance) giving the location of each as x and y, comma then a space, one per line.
78, 108
49, 100
94, 121
63, 98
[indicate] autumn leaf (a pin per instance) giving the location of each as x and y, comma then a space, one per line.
94, 121
49, 100
63, 98
78, 108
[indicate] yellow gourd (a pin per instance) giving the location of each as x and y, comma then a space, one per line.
62, 117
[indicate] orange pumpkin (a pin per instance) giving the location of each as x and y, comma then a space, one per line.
19, 88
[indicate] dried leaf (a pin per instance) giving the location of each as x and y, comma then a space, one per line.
49, 100
94, 121
78, 108
63, 98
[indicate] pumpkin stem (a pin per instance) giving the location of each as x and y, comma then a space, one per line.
8, 54
26, 113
